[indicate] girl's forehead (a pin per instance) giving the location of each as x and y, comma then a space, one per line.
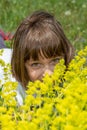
43, 49
39, 56
42, 57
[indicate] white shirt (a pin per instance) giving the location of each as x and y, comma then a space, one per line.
6, 57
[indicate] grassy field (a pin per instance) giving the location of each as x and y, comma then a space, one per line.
71, 13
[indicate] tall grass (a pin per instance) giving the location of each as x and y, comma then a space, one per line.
71, 13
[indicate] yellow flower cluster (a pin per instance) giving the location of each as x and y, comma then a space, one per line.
57, 103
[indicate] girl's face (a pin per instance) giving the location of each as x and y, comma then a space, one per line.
38, 68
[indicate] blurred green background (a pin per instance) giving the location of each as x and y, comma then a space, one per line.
71, 13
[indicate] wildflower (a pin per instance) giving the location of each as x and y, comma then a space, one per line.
68, 12
73, 1
57, 103
84, 6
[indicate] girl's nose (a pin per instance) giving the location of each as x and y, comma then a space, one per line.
47, 71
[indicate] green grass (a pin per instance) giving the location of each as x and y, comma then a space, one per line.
71, 13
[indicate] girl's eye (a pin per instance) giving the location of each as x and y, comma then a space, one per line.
55, 61
36, 65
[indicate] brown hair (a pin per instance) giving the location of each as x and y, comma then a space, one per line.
38, 32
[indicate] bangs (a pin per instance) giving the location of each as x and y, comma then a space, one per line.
45, 45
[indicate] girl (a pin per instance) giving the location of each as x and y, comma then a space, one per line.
38, 45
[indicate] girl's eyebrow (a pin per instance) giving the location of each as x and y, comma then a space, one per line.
57, 57
33, 61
